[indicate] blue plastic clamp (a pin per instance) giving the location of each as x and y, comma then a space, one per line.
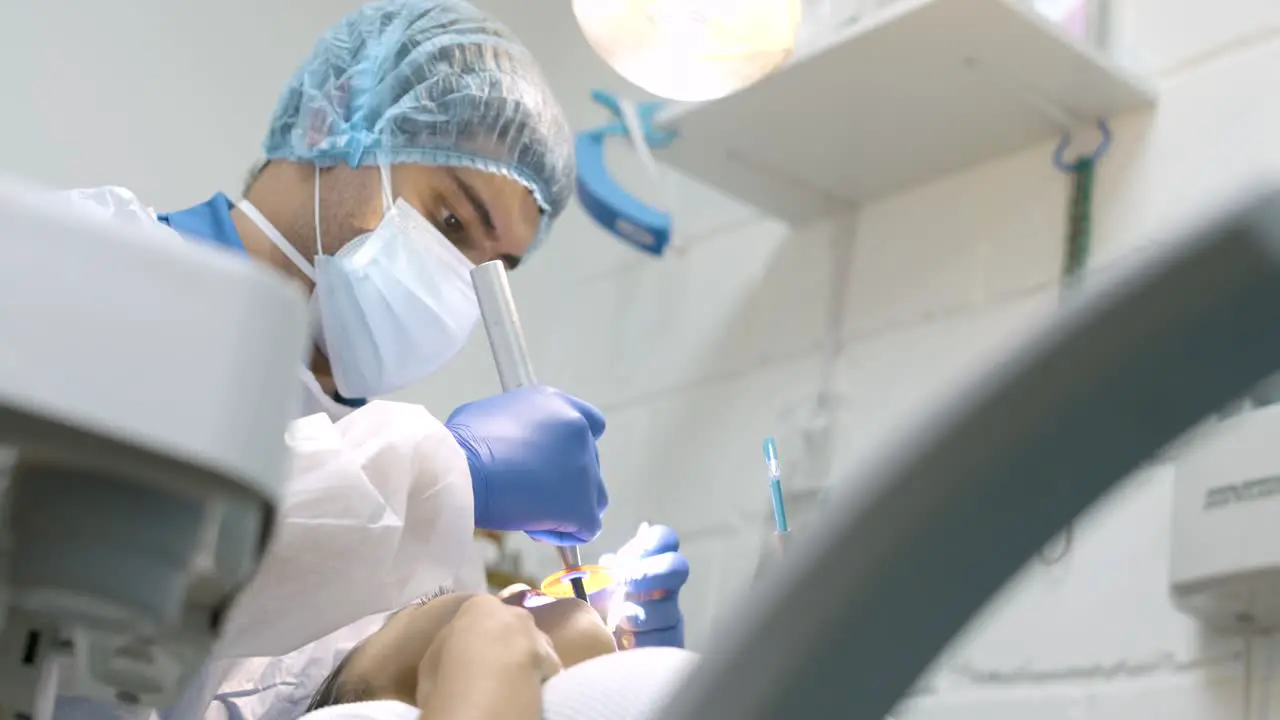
643, 226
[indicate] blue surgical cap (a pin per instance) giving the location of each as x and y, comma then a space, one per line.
433, 82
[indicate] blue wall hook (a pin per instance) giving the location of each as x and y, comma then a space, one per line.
1060, 152
613, 208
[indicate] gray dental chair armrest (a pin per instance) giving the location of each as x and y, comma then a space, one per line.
917, 542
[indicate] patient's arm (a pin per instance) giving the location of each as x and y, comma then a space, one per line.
488, 664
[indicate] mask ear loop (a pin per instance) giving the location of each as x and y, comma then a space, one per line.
316, 204
384, 171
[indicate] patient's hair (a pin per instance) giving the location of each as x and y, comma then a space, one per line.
335, 690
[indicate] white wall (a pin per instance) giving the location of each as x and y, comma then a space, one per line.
696, 357
170, 99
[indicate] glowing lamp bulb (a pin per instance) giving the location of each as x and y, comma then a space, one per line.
691, 50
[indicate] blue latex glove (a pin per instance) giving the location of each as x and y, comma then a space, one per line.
653, 571
534, 465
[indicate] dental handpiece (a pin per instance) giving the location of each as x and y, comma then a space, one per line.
511, 357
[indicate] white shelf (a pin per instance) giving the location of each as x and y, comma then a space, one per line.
926, 88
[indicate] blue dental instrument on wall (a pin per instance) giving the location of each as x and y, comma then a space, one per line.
637, 223
780, 528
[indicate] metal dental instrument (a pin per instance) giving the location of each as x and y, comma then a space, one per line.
912, 544
511, 357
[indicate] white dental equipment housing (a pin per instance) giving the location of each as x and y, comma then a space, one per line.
145, 388
1225, 567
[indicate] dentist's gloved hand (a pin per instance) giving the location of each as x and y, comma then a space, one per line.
534, 465
653, 570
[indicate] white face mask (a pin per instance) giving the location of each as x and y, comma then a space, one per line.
394, 304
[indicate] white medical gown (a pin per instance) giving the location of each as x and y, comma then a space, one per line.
403, 530
378, 512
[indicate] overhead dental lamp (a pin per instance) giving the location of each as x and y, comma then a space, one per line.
692, 50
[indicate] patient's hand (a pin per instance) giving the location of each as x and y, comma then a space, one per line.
489, 662
467, 657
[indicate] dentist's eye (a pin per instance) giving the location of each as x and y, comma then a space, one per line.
451, 222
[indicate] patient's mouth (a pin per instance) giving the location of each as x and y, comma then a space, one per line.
525, 596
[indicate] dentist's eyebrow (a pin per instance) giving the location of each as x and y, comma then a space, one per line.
481, 209
478, 205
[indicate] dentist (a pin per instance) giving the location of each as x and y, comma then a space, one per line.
418, 140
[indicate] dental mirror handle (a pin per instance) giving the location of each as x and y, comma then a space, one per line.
506, 341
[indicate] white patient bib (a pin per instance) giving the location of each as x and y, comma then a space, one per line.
630, 685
